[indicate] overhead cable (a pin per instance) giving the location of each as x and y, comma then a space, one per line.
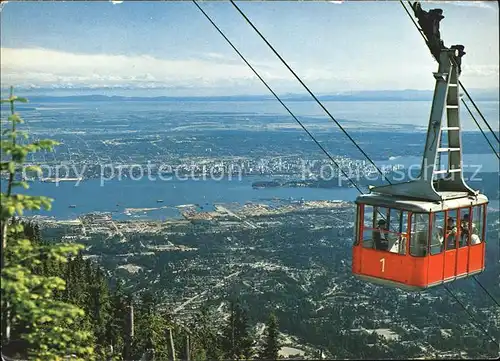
308, 90
460, 83
277, 97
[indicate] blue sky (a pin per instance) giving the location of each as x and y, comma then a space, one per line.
334, 46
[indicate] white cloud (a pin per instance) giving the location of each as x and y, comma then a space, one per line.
216, 72
115, 2
47, 67
481, 70
51, 68
215, 56
469, 3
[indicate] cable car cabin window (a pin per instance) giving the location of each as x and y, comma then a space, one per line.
477, 225
385, 229
368, 225
451, 230
357, 225
419, 234
380, 234
437, 233
398, 231
465, 227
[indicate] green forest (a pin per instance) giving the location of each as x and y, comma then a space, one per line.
112, 324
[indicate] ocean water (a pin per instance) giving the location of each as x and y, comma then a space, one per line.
83, 127
114, 196
366, 115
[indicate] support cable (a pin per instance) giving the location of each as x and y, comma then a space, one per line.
475, 323
278, 98
461, 85
281, 102
308, 90
485, 290
475, 121
481, 114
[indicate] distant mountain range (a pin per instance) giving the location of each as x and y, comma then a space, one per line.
369, 95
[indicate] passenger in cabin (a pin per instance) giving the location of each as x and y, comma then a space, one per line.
380, 236
451, 233
464, 230
474, 239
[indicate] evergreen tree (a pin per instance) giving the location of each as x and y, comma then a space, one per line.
77, 284
52, 327
116, 327
237, 339
271, 346
207, 336
99, 308
151, 336
147, 303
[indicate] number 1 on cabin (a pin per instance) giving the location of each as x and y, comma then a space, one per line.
382, 260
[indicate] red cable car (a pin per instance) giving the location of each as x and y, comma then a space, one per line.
423, 233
